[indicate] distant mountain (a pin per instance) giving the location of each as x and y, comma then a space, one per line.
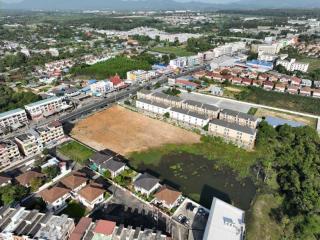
154, 5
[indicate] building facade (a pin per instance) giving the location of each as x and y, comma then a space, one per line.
13, 117
9, 152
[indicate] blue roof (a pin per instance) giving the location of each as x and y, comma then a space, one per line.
262, 63
91, 81
275, 122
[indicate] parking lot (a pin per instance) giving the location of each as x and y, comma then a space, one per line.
193, 217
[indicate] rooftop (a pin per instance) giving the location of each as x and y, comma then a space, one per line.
26, 178
92, 191
239, 114
74, 180
113, 165
146, 101
167, 194
11, 112
104, 227
81, 228
190, 113
52, 194
146, 181
225, 222
234, 126
43, 102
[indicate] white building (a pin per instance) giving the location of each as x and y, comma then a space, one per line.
180, 62
193, 61
46, 107
13, 118
225, 222
229, 49
101, 88
292, 65
223, 61
269, 48
53, 52
262, 56
154, 107
188, 117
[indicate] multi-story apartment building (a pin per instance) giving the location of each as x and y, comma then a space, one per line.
169, 100
29, 143
51, 133
9, 152
144, 94
140, 75
188, 117
180, 62
239, 118
201, 108
154, 107
240, 135
292, 65
11, 118
46, 107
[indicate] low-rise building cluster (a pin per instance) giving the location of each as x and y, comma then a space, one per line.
30, 143
237, 127
268, 81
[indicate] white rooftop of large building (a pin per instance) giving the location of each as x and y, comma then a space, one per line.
225, 222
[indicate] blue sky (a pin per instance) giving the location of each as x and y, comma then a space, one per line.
210, 1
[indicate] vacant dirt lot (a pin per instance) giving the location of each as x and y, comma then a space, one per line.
124, 131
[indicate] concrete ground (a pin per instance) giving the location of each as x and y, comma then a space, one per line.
197, 219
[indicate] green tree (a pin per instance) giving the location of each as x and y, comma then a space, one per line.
107, 174
12, 193
35, 184
51, 172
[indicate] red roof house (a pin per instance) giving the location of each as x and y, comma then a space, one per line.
104, 227
117, 81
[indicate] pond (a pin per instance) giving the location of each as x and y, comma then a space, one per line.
201, 179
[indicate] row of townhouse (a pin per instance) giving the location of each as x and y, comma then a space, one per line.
281, 83
236, 127
140, 75
30, 143
20, 223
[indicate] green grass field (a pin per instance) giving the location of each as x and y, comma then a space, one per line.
118, 65
178, 51
259, 223
214, 149
76, 151
314, 63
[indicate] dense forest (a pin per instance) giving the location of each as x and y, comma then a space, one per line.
293, 156
9, 99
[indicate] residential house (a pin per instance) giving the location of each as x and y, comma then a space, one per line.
103, 230
285, 79
146, 184
26, 178
115, 167
268, 85
75, 181
188, 117
306, 83
280, 87
305, 91
91, 195
9, 152
295, 81
246, 82
55, 198
236, 80
263, 76
4, 180
257, 83
186, 84
101, 88
81, 229
293, 89
242, 136
316, 93
239, 118
167, 196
